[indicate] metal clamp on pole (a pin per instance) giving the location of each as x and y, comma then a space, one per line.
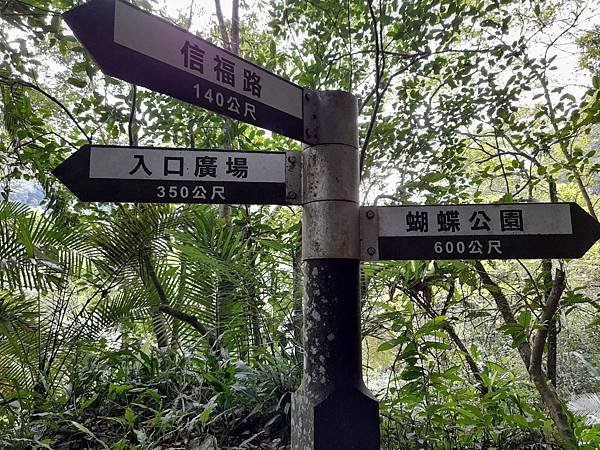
332, 409
293, 178
369, 233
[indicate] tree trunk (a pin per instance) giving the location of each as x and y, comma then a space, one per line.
552, 339
178, 302
552, 344
564, 431
252, 308
532, 355
297, 294
159, 323
233, 45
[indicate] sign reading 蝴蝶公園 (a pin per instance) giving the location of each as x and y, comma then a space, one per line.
496, 231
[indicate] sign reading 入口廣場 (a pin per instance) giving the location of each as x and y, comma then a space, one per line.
135, 46
496, 231
142, 174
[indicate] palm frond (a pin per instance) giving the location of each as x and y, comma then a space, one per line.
37, 252
131, 233
218, 274
588, 406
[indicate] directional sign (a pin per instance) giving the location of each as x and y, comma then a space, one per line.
142, 174
498, 231
137, 47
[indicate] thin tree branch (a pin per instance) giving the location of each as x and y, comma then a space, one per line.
504, 307
550, 309
54, 13
158, 320
37, 138
235, 27
133, 139
9, 82
378, 95
222, 26
185, 317
449, 329
154, 278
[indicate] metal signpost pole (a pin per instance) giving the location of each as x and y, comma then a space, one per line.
332, 409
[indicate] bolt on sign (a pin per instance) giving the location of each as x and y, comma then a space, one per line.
498, 231
162, 175
135, 46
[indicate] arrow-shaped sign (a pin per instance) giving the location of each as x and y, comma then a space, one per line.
161, 175
498, 231
137, 47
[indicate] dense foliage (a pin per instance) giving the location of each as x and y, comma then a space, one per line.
170, 326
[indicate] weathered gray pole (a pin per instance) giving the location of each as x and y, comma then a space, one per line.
332, 409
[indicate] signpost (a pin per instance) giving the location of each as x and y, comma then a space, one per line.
137, 47
496, 231
332, 409
162, 175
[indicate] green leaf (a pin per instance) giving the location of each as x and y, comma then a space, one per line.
88, 402
271, 243
519, 421
452, 374
89, 433
392, 343
77, 82
434, 324
568, 97
130, 416
386, 346
433, 177
475, 352
25, 237
471, 413
121, 445
412, 373
507, 198
208, 409
524, 318
511, 328
436, 345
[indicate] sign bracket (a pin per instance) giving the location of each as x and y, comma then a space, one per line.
369, 233
293, 178
310, 108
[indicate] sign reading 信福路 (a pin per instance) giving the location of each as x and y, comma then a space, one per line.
496, 231
135, 46
142, 174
